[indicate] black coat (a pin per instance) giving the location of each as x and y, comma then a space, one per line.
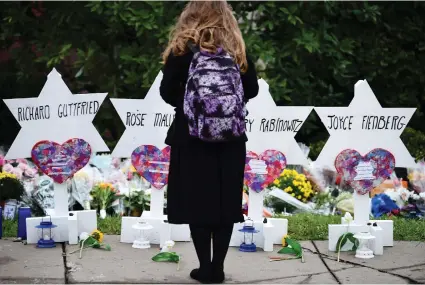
205, 180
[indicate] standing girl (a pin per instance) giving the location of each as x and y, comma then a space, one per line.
208, 78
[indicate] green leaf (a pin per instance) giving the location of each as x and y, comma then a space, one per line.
287, 250
296, 246
343, 240
354, 241
166, 257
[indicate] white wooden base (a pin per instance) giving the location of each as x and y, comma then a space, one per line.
384, 234
178, 232
160, 233
335, 231
68, 227
388, 231
280, 229
376, 244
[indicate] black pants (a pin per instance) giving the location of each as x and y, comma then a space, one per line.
220, 234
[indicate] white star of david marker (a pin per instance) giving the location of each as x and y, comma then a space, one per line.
146, 120
56, 115
274, 127
363, 126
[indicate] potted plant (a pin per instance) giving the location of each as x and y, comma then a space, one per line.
103, 195
135, 202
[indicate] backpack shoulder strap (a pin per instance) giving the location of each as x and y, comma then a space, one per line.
191, 45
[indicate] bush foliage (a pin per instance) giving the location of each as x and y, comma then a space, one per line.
310, 53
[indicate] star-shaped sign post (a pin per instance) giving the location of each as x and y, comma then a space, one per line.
274, 127
146, 121
363, 126
56, 115
271, 127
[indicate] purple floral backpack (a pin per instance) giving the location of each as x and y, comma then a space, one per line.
214, 100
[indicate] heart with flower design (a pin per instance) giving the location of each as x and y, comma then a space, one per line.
364, 173
261, 170
61, 161
152, 164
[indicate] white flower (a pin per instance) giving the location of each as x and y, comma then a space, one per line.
84, 236
415, 196
348, 218
404, 193
396, 197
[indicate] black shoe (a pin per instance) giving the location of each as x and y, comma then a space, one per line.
218, 277
198, 276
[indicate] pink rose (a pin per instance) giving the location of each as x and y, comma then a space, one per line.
116, 162
18, 172
8, 168
22, 160
23, 166
30, 172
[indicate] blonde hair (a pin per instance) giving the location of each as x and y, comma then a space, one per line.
208, 24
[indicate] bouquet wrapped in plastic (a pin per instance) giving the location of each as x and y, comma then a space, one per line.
83, 182
43, 193
417, 177
291, 191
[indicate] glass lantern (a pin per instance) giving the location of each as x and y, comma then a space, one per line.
46, 234
141, 242
248, 230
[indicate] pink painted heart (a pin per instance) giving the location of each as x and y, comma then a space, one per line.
61, 161
364, 173
152, 164
261, 170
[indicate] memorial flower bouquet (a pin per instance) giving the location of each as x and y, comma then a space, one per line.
295, 184
81, 186
290, 192
103, 195
416, 177
10, 187
94, 240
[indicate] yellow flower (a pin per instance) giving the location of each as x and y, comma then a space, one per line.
299, 197
293, 194
4, 175
284, 240
97, 235
304, 200
132, 168
289, 189
276, 182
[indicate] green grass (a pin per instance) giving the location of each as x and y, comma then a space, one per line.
301, 227
10, 228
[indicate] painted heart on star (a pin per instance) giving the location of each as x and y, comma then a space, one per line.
61, 161
152, 164
364, 173
261, 170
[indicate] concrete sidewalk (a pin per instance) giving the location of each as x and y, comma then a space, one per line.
402, 264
